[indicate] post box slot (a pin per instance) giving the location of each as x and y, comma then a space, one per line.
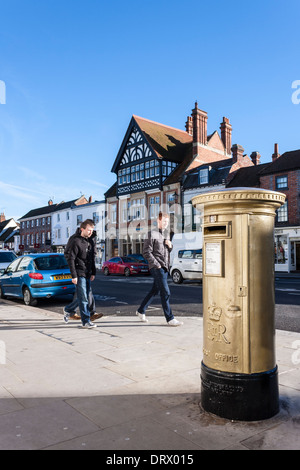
218, 230
215, 230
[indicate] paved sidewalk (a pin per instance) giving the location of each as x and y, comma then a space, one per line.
126, 385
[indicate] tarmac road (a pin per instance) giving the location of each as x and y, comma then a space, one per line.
118, 295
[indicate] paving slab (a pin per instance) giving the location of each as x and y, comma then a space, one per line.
125, 385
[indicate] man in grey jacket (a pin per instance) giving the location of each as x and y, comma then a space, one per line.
156, 251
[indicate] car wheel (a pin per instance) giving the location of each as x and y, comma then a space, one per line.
177, 277
27, 297
2, 296
106, 272
127, 272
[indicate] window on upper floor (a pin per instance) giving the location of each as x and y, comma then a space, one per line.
139, 172
137, 209
203, 176
154, 207
168, 167
145, 170
281, 182
282, 213
113, 213
96, 217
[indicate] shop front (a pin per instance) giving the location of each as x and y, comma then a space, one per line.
287, 249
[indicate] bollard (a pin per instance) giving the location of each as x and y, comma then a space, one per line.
239, 379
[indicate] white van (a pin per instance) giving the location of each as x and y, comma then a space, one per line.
6, 257
187, 265
185, 241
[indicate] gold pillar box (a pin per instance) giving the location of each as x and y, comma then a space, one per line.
238, 293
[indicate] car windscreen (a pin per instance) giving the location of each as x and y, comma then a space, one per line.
7, 257
127, 259
50, 262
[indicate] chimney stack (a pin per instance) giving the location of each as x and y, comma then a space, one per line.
226, 131
199, 118
2, 217
50, 202
255, 157
189, 125
90, 199
275, 154
237, 152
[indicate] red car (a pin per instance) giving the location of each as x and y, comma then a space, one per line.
124, 265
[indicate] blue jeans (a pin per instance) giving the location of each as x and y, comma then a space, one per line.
160, 285
83, 290
71, 308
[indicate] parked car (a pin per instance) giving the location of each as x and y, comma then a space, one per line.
124, 265
6, 257
34, 276
187, 265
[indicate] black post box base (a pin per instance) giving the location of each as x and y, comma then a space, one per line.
240, 397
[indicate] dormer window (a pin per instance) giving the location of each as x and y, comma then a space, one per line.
203, 176
167, 168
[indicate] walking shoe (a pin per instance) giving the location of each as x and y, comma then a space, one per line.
175, 322
66, 316
141, 316
75, 316
89, 325
96, 316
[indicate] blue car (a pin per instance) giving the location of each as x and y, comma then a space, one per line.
35, 276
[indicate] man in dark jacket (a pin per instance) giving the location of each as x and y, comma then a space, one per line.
71, 308
81, 261
157, 250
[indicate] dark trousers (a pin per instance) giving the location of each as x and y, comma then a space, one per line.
71, 308
160, 286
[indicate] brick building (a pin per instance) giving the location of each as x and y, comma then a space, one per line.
150, 169
283, 175
36, 226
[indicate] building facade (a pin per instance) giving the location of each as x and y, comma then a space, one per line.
35, 229
281, 174
9, 232
151, 167
48, 228
66, 220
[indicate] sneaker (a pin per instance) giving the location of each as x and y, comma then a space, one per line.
96, 316
89, 325
66, 316
175, 322
141, 316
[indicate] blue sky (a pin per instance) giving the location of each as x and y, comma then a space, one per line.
75, 72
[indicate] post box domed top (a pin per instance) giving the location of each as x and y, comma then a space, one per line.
244, 196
